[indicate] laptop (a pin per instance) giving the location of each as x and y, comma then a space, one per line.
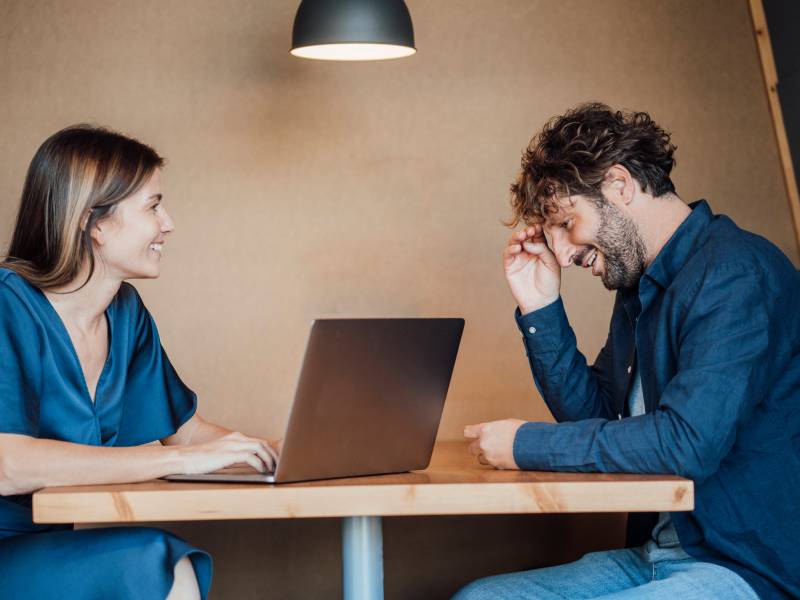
368, 401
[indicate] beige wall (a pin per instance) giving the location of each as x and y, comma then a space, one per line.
304, 188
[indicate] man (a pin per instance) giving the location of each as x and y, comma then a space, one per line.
699, 377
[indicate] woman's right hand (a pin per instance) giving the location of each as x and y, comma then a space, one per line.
531, 268
226, 451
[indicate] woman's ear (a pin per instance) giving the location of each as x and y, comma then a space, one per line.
96, 231
85, 219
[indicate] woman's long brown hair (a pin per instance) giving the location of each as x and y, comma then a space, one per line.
76, 178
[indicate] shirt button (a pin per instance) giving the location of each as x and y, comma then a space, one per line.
629, 369
531, 329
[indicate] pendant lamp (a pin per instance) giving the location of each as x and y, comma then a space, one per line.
352, 30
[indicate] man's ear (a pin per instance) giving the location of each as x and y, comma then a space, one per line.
619, 186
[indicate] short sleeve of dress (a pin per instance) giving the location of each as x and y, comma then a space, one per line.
20, 365
156, 401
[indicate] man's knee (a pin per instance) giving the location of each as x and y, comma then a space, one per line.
501, 587
480, 589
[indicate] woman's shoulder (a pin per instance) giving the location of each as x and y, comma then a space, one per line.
15, 288
129, 313
9, 276
127, 294
127, 304
19, 309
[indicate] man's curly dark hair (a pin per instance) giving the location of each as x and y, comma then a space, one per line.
573, 152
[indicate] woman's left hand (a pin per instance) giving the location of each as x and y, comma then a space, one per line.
197, 431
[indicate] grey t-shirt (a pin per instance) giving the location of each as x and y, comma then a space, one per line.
663, 543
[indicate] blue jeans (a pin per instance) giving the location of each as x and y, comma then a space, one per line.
615, 575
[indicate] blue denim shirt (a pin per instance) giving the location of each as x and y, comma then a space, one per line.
717, 344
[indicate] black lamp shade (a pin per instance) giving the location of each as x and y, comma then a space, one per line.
352, 30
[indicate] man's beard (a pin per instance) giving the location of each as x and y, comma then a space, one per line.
623, 248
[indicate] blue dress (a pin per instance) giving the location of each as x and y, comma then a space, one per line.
43, 394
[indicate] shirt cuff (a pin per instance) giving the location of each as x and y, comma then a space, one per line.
530, 446
543, 329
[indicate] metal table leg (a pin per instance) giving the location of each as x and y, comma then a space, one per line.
362, 558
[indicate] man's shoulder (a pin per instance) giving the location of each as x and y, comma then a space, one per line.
728, 250
731, 258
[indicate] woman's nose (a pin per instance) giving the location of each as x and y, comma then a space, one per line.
167, 224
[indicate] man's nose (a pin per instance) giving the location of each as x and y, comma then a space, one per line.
563, 250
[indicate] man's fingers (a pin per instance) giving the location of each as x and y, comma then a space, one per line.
510, 255
535, 247
475, 448
473, 431
483, 461
529, 232
531, 240
521, 235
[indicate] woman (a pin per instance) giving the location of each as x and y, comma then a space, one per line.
84, 381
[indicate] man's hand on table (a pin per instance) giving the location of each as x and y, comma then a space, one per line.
494, 442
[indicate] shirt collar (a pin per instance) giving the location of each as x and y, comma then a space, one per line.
680, 247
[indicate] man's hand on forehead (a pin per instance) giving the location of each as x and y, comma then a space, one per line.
536, 231
531, 232
531, 268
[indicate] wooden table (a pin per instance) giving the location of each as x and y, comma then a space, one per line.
453, 484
